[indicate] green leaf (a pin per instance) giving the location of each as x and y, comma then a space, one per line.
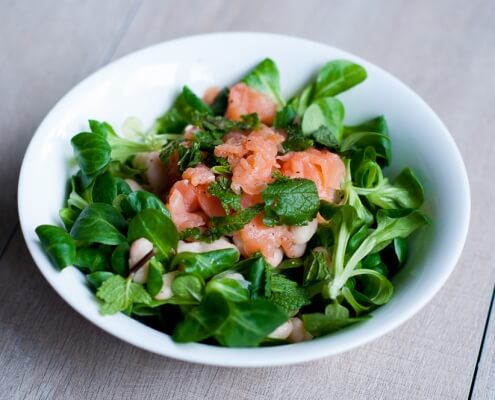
290, 202
82, 184
405, 192
376, 287
249, 322
287, 294
221, 190
153, 225
343, 224
258, 273
320, 324
233, 324
328, 210
124, 171
99, 223
285, 117
337, 311
206, 264
231, 289
154, 281
356, 300
136, 202
317, 266
103, 129
336, 77
219, 105
104, 188
95, 279
265, 78
179, 115
188, 286
328, 113
118, 294
202, 321
68, 217
91, 259
92, 153
333, 78
358, 137
120, 259
359, 141
391, 224
400, 249
57, 244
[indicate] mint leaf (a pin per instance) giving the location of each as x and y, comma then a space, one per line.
187, 156
221, 125
118, 294
287, 294
290, 202
221, 226
207, 140
221, 190
192, 234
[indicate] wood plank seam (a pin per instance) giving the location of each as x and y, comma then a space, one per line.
482, 345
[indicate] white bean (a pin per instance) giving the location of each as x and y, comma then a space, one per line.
141, 275
283, 331
135, 187
165, 292
299, 333
201, 247
295, 250
302, 234
138, 250
155, 174
276, 258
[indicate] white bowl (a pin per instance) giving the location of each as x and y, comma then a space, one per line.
144, 83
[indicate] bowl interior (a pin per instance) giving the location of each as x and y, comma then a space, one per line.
144, 84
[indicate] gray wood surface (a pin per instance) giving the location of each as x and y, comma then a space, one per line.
444, 50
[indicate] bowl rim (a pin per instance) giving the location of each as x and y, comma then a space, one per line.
223, 356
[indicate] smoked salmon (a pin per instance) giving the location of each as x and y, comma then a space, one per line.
253, 159
257, 237
244, 100
189, 202
324, 168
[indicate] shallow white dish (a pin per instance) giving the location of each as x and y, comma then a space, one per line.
144, 83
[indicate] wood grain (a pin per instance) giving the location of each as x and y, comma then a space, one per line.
443, 49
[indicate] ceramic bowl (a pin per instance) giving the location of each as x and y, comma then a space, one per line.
144, 83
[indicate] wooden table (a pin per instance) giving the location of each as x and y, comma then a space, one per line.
445, 50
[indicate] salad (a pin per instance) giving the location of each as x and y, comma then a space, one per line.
240, 218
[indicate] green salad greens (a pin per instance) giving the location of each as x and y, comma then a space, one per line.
243, 218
